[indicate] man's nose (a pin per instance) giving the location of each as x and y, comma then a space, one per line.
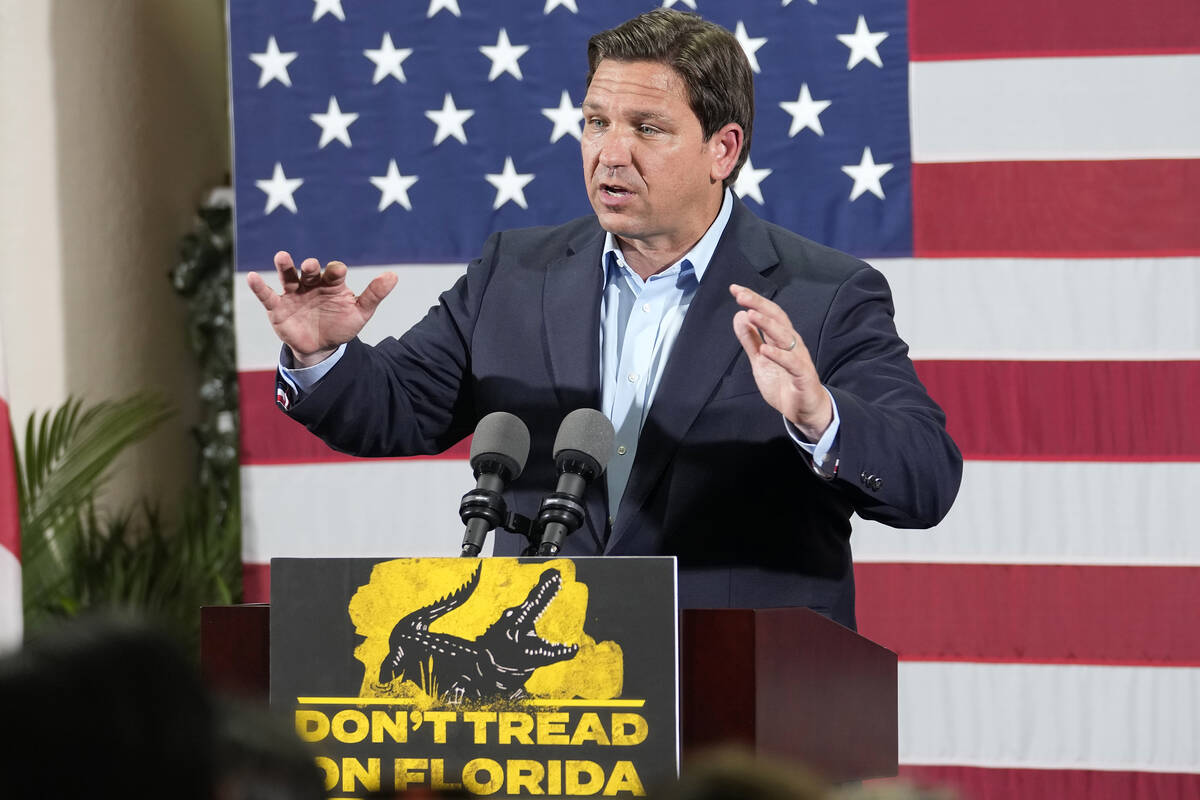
616, 150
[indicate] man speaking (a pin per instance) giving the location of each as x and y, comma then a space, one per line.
758, 388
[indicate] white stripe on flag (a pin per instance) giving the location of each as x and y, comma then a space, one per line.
1013, 512
418, 290
1008, 512
385, 509
1071, 309
1037, 109
1049, 716
1037, 308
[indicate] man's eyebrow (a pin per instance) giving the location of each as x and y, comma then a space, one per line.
649, 115
641, 116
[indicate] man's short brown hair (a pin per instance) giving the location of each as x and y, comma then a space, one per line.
712, 64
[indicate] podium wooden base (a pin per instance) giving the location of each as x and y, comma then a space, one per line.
791, 684
784, 682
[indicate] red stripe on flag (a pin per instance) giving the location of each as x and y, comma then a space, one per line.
1127, 616
977, 783
256, 583
996, 410
270, 437
1094, 209
952, 29
10, 516
1007, 613
1069, 410
1031, 613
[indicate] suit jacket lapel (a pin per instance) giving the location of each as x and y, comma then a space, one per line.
571, 314
699, 359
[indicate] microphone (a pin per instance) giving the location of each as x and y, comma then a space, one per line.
499, 449
582, 448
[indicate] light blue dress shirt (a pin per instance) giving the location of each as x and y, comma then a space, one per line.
639, 323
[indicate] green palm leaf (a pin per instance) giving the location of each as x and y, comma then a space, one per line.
65, 460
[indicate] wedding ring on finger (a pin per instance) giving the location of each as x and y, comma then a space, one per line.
791, 346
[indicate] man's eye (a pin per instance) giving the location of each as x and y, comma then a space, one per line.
598, 124
646, 130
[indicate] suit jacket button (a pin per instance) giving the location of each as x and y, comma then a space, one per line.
874, 482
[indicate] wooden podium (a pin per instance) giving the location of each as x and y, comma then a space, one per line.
791, 684
785, 682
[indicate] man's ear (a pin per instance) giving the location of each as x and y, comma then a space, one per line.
725, 146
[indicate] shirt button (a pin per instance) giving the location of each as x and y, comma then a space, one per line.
633, 376
621, 450
646, 308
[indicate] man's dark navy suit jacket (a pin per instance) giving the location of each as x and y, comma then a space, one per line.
717, 481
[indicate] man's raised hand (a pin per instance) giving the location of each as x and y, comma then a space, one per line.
317, 312
783, 368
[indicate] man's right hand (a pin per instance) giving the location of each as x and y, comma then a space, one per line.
317, 312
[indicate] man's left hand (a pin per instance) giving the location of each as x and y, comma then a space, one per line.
783, 368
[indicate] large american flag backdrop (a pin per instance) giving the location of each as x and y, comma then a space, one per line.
1027, 175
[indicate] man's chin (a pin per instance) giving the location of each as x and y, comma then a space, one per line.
618, 222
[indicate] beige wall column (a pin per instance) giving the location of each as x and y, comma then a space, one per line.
113, 125
31, 306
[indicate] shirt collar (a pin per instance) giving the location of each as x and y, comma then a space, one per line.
698, 257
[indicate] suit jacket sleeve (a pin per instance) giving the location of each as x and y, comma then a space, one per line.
896, 459
406, 396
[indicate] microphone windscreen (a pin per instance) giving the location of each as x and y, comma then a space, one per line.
504, 437
587, 431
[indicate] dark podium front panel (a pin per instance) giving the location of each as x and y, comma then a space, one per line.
785, 682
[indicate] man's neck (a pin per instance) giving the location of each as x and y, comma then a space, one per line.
647, 260
652, 255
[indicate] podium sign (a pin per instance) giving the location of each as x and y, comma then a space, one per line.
497, 676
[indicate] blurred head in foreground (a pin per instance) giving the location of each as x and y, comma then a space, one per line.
105, 707
259, 757
892, 790
735, 774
